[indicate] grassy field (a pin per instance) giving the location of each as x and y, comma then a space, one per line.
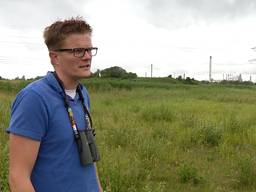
160, 135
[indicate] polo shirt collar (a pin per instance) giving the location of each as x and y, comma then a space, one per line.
53, 82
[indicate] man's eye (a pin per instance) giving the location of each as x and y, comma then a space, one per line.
79, 50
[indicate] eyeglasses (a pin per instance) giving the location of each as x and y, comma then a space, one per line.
80, 52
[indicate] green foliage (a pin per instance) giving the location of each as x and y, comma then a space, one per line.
188, 173
116, 72
246, 168
162, 134
209, 135
158, 113
5, 103
225, 82
12, 86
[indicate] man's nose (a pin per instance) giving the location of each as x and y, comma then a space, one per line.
87, 55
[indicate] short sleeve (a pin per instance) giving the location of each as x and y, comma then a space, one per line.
28, 116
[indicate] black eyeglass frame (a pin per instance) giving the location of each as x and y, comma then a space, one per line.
76, 50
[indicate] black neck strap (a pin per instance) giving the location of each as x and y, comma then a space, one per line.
87, 115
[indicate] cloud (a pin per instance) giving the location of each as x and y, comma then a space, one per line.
33, 14
177, 36
161, 13
183, 13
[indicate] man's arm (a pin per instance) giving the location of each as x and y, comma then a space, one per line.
22, 156
100, 188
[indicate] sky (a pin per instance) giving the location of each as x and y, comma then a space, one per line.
176, 37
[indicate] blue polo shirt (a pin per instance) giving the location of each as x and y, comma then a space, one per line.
38, 112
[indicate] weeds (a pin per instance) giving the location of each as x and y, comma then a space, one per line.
246, 168
160, 136
188, 173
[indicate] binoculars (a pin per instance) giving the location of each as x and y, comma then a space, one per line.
87, 148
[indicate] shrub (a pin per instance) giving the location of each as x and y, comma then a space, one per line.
188, 173
246, 172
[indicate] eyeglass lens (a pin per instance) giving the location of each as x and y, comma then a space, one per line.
80, 52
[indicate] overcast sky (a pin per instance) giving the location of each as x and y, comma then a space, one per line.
176, 36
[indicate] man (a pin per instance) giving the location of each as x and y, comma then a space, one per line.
49, 116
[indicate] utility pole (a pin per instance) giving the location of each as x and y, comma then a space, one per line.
210, 69
151, 66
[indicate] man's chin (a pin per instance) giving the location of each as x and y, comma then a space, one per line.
86, 74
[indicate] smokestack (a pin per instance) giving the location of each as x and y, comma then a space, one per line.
210, 69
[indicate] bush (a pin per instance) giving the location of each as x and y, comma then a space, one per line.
246, 172
117, 72
188, 173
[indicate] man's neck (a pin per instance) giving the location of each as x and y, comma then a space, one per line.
68, 84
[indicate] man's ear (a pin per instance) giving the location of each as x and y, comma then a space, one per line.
54, 57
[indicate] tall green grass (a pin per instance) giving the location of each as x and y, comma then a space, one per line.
5, 103
164, 136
